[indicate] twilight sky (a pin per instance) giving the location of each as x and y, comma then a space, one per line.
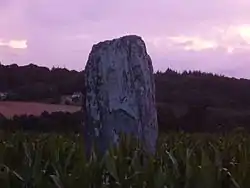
212, 36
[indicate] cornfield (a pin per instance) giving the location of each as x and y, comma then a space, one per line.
30, 160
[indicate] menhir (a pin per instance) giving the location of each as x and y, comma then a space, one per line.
120, 94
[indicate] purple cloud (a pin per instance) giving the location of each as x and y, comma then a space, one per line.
209, 36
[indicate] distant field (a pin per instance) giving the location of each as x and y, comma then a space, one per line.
9, 109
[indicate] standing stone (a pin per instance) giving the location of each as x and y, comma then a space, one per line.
120, 94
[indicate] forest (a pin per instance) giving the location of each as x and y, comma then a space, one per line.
190, 101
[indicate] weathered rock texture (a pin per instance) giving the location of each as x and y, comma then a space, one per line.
120, 93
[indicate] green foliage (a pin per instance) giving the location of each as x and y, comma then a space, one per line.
53, 122
182, 161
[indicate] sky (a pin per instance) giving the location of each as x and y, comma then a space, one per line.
211, 36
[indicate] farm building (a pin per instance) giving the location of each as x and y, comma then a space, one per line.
74, 99
3, 95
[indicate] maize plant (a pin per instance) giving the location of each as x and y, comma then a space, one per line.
182, 160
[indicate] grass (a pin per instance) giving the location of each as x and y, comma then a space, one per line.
182, 161
9, 108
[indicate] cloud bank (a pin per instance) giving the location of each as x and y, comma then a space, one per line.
15, 44
211, 36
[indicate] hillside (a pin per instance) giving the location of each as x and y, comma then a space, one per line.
33, 83
187, 100
10, 109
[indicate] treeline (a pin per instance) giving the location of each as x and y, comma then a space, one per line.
195, 120
191, 101
198, 88
34, 83
53, 122
199, 118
